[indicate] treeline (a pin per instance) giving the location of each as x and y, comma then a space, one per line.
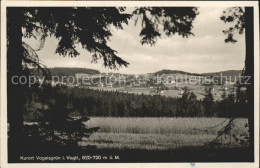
61, 72
72, 71
88, 102
167, 71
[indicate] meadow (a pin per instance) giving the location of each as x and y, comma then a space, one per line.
157, 133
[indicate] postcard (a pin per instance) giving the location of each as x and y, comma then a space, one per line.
130, 84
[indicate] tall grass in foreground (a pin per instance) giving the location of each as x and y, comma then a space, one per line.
156, 133
163, 125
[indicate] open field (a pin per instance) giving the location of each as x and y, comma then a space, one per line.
152, 140
156, 133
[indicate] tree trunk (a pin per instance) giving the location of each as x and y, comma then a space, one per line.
249, 71
15, 92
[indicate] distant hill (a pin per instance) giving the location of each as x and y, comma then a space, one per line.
167, 71
72, 71
225, 73
64, 71
230, 73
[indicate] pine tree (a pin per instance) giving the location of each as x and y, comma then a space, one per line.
209, 104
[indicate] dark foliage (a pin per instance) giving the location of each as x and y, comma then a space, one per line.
55, 129
72, 26
55, 124
172, 20
90, 102
209, 104
243, 21
237, 15
88, 27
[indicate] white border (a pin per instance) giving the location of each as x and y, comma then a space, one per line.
131, 3
3, 92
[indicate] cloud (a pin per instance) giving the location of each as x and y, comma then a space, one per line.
204, 52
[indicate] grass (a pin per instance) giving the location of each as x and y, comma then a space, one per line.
156, 125
147, 140
156, 133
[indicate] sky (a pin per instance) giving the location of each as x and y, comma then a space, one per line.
204, 52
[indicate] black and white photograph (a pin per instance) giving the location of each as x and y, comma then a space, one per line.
143, 82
